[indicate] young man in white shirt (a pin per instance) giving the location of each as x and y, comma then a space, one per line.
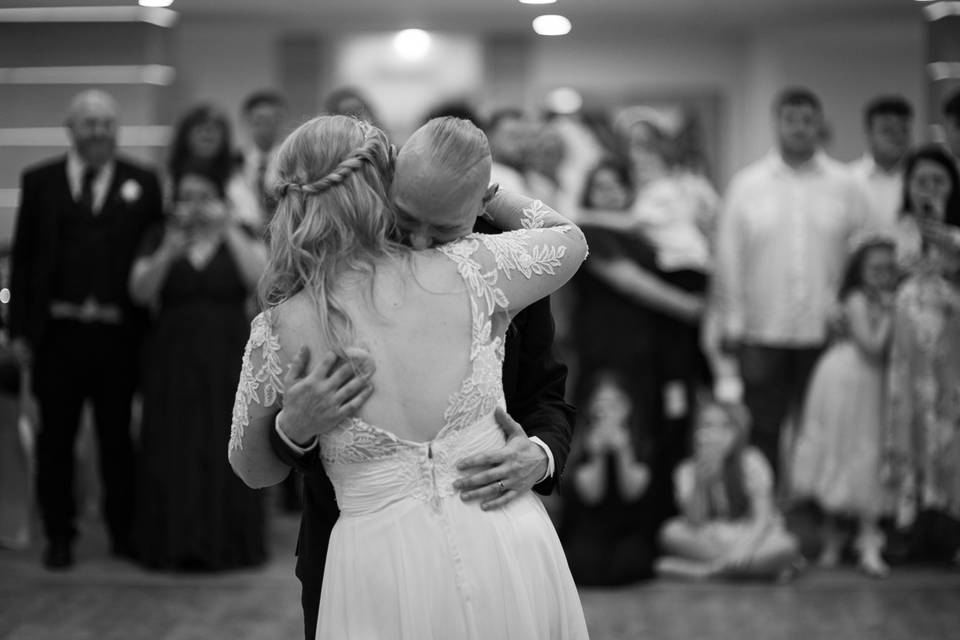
887, 121
263, 115
510, 135
781, 249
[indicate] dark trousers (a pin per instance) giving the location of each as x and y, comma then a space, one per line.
774, 385
310, 599
79, 362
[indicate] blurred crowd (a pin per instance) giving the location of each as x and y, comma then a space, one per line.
766, 377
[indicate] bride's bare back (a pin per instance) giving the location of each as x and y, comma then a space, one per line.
414, 323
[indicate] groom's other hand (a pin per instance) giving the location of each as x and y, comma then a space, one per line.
497, 477
318, 399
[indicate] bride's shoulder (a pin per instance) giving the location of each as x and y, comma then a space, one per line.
295, 316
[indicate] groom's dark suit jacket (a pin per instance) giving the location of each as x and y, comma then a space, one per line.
533, 382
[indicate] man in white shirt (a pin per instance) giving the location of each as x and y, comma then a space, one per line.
887, 121
510, 135
782, 244
263, 115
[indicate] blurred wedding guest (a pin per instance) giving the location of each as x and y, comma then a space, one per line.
922, 444
80, 222
673, 214
951, 123
728, 524
455, 109
605, 530
17, 423
196, 272
928, 208
545, 156
887, 122
511, 135
263, 115
620, 304
618, 294
837, 456
348, 101
202, 139
781, 248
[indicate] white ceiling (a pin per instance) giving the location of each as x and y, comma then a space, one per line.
510, 15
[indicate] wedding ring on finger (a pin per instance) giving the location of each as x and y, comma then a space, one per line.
503, 489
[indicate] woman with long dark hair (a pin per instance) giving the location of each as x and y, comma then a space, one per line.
728, 524
922, 448
203, 141
197, 274
606, 530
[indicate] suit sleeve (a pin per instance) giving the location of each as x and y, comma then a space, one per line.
538, 402
303, 462
21, 263
154, 200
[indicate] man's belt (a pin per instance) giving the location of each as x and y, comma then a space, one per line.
89, 312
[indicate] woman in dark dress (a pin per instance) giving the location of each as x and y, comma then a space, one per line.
621, 303
196, 273
606, 529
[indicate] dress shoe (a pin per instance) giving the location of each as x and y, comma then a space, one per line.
58, 556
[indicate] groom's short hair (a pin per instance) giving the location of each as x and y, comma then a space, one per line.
449, 158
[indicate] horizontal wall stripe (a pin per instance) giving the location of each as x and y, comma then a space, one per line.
150, 15
129, 136
94, 74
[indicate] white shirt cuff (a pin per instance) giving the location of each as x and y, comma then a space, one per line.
550, 463
293, 445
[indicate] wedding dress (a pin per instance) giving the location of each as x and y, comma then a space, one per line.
408, 558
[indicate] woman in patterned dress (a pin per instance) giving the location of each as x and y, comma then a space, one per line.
923, 438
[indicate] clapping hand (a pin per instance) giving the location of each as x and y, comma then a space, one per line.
938, 233
497, 477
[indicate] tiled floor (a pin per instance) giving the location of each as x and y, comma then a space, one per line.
103, 599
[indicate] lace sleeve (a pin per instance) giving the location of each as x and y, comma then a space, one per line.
513, 269
261, 385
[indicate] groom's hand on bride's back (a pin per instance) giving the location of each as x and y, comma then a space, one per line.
496, 477
318, 398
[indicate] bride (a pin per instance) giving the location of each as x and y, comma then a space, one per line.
408, 558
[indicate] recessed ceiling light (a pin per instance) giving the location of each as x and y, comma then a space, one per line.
564, 100
551, 25
412, 44
155, 3
537, 1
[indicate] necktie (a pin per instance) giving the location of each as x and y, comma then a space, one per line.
262, 182
86, 192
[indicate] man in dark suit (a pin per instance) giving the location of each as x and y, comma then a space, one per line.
80, 223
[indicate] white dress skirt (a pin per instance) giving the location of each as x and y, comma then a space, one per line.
409, 559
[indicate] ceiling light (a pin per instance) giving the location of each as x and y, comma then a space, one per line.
537, 1
412, 44
155, 3
551, 25
564, 100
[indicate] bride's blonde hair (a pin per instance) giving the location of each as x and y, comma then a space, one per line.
333, 217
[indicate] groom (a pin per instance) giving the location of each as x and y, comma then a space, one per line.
538, 428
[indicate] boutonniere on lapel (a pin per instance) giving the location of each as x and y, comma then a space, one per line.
130, 191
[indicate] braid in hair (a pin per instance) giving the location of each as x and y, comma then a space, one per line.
367, 152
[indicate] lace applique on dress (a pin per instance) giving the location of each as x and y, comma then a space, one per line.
356, 441
535, 216
260, 376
